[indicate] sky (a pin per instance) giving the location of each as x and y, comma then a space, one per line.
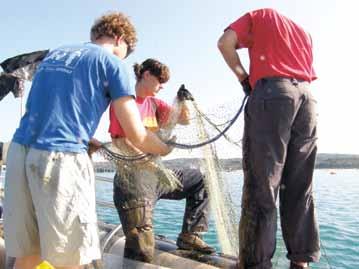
183, 35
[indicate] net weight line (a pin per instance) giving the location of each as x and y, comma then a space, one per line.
113, 156
213, 139
216, 126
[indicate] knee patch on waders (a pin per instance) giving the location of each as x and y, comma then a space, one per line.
136, 219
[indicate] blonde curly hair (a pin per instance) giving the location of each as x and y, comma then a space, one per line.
115, 24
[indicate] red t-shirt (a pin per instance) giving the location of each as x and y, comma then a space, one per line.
154, 113
277, 46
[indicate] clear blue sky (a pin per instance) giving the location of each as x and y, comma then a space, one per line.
183, 34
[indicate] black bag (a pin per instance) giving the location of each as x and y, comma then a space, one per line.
22, 60
18, 69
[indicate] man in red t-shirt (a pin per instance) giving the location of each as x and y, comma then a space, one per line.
279, 141
138, 185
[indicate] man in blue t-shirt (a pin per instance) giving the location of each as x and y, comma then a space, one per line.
49, 190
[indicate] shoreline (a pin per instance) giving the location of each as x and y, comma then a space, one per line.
324, 161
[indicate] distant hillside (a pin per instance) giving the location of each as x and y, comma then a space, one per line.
324, 161
337, 161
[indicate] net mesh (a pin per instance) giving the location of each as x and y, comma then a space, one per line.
220, 201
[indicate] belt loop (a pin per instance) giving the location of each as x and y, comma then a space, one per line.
294, 81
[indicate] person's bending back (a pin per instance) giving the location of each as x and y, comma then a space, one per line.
49, 193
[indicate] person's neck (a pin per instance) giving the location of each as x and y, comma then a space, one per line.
106, 42
141, 90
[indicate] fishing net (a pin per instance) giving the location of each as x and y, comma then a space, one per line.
207, 126
208, 130
132, 162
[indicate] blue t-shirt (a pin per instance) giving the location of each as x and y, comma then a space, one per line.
71, 89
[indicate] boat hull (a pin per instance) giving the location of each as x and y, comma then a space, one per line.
166, 254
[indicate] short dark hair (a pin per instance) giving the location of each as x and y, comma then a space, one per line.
155, 67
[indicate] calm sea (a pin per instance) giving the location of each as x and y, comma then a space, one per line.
337, 202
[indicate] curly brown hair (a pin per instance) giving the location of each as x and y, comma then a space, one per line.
115, 24
156, 68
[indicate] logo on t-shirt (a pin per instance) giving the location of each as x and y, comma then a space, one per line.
62, 60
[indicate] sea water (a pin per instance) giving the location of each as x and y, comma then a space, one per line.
336, 194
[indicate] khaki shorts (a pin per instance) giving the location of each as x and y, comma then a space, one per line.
50, 206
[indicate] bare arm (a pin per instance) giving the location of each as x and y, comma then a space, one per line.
129, 117
227, 44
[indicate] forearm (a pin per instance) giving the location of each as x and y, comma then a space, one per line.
150, 143
126, 146
234, 63
227, 45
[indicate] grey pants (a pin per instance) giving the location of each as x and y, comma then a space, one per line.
135, 205
279, 151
